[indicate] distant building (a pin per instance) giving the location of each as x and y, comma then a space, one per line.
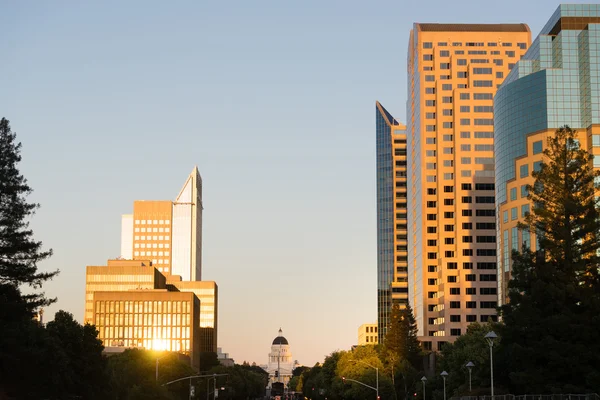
168, 233
224, 358
132, 306
367, 334
280, 364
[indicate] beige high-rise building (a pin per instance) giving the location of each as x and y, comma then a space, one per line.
169, 233
454, 71
367, 334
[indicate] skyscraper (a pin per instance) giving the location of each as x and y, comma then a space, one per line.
453, 73
556, 83
169, 233
392, 256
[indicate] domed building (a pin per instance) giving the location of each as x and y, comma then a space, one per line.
280, 364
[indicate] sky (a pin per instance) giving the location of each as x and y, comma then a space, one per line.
274, 101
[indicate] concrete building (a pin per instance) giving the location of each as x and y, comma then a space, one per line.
132, 305
224, 358
367, 334
207, 293
169, 233
556, 83
392, 245
280, 364
453, 73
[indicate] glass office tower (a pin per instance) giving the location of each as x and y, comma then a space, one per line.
453, 73
392, 250
556, 83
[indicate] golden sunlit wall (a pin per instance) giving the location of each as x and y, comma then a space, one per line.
119, 275
154, 319
392, 251
454, 71
208, 294
152, 233
555, 84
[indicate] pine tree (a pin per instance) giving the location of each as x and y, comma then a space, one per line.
550, 333
19, 252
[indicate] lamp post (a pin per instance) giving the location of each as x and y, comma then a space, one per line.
469, 366
158, 358
490, 337
423, 379
377, 375
444, 374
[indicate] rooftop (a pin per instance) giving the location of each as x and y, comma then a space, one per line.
427, 27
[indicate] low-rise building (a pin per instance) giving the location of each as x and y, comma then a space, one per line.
367, 334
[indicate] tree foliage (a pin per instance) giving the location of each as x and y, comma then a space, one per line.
19, 252
551, 321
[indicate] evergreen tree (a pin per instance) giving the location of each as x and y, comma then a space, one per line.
19, 252
550, 336
402, 349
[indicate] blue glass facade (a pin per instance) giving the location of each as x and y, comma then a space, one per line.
388, 175
555, 84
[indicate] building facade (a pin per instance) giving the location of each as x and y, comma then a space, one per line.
556, 83
392, 247
367, 334
281, 364
453, 73
208, 294
169, 233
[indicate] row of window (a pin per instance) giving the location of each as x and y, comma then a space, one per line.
152, 222
429, 45
149, 230
469, 265
468, 278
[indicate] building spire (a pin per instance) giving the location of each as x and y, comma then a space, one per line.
280, 332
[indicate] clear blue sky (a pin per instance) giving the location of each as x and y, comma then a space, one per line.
273, 100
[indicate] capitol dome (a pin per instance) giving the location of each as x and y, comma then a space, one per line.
280, 339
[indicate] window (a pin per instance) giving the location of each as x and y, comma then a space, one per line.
448, 202
467, 239
488, 304
467, 252
524, 171
537, 147
444, 65
471, 304
465, 160
513, 193
487, 277
483, 96
448, 189
485, 225
430, 128
465, 147
448, 228
467, 213
447, 125
465, 121
467, 265
452, 265
538, 165
467, 199
484, 160
480, 109
431, 204
455, 332
452, 279
524, 191
431, 191
486, 239
467, 225
447, 86
432, 256
430, 140
524, 210
461, 61
444, 53
461, 74
465, 109
467, 96
513, 213
471, 291
431, 242
432, 268
485, 213
454, 318
509, 53
482, 71
484, 199
470, 277
447, 99
596, 140
449, 241
499, 74
471, 318
431, 217
465, 135
484, 121
482, 84
448, 150
455, 304
427, 57
484, 135
430, 103
448, 214
429, 78
488, 291
428, 45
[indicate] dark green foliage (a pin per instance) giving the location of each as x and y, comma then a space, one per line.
19, 252
551, 322
402, 351
208, 360
64, 360
243, 382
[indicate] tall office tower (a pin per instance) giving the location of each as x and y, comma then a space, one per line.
453, 73
168, 232
556, 83
392, 250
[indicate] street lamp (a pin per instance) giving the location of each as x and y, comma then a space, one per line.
423, 379
159, 358
490, 337
444, 374
469, 366
377, 375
